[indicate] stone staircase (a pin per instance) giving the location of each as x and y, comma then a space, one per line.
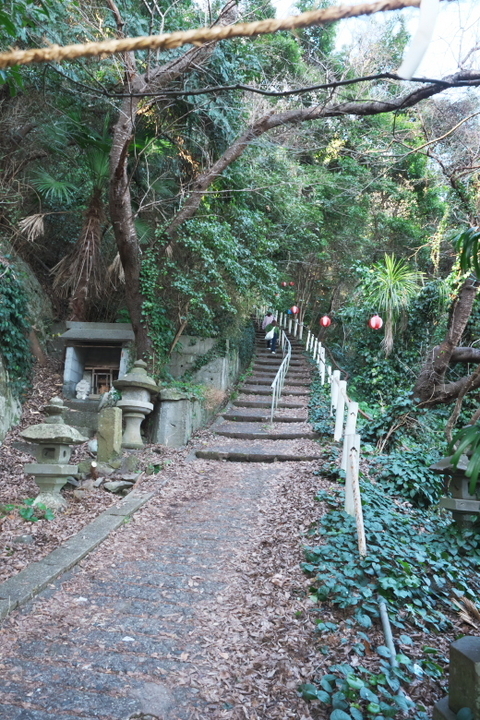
244, 431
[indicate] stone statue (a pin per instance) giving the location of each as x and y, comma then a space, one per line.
82, 389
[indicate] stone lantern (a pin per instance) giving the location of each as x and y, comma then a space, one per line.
136, 388
53, 439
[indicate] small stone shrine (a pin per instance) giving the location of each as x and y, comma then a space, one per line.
96, 354
53, 439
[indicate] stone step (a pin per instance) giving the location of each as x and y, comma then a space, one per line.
269, 369
248, 431
295, 346
235, 415
265, 404
276, 360
264, 350
273, 369
267, 390
262, 380
269, 359
292, 378
280, 452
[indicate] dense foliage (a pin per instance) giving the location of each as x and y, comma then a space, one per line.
14, 327
303, 204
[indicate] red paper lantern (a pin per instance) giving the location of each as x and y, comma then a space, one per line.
325, 321
375, 322
292, 284
283, 284
295, 310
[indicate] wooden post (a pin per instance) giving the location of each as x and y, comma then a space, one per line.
289, 325
322, 366
300, 337
357, 500
295, 328
334, 396
309, 337
350, 428
349, 506
340, 410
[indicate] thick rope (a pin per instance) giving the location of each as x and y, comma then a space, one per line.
56, 53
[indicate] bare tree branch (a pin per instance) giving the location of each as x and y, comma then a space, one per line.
299, 115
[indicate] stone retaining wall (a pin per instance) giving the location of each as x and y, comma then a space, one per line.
178, 414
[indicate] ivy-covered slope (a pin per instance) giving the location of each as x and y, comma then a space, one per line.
419, 563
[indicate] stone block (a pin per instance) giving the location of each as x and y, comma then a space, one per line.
464, 683
82, 418
117, 486
129, 463
441, 710
464, 680
459, 487
172, 422
460, 505
109, 434
85, 468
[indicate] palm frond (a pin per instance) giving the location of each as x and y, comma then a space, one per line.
32, 226
468, 612
115, 272
53, 189
466, 245
98, 163
80, 274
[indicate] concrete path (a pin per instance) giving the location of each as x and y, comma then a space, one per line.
119, 636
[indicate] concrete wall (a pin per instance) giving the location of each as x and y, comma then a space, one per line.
187, 352
177, 415
220, 373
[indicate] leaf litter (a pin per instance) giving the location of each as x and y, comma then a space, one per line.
257, 636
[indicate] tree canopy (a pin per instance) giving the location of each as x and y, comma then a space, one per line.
157, 188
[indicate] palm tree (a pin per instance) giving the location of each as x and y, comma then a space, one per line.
81, 274
391, 289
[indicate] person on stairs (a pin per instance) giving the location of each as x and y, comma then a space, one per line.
273, 333
267, 319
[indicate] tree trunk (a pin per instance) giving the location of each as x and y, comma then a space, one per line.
120, 197
122, 217
430, 387
87, 258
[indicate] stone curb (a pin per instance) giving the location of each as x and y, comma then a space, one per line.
21, 588
253, 457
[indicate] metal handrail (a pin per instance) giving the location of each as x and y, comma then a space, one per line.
279, 381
